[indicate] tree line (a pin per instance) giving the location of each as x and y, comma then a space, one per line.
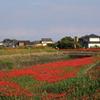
64, 43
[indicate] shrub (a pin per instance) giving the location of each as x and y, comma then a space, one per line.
95, 47
39, 47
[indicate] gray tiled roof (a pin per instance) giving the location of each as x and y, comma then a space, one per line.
37, 42
94, 36
91, 36
46, 39
26, 42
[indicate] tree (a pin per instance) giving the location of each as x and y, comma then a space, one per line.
6, 40
68, 43
53, 45
9, 41
67, 39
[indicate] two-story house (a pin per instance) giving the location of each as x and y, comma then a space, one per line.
89, 41
45, 41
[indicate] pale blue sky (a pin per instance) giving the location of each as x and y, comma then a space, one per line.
36, 19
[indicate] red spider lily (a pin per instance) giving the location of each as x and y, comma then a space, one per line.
11, 49
55, 96
51, 73
98, 69
12, 89
2, 89
79, 49
1, 75
98, 90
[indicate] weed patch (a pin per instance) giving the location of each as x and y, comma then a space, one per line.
8, 63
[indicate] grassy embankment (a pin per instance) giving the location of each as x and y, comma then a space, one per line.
9, 57
14, 58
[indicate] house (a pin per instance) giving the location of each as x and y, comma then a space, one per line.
1, 44
89, 41
45, 41
25, 43
42, 42
37, 43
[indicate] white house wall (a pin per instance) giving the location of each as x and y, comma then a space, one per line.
91, 45
94, 39
1, 44
44, 44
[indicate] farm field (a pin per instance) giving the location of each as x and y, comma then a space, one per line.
76, 79
12, 51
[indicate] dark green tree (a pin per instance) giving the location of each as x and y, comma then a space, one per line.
67, 39
68, 43
8, 41
53, 45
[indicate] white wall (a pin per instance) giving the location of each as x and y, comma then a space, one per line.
94, 39
1, 44
93, 44
44, 44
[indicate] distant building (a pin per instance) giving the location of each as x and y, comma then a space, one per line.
42, 42
76, 39
89, 41
45, 41
37, 43
1, 44
25, 43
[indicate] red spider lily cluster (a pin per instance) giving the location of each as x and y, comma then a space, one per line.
93, 75
50, 73
9, 88
80, 49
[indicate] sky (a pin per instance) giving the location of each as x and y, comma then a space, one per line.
56, 19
